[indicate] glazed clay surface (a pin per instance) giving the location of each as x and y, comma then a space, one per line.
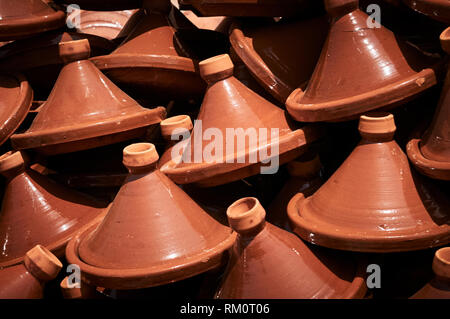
435, 9
374, 202
268, 262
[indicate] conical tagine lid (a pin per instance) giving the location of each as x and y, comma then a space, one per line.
36, 210
435, 9
280, 55
26, 280
361, 68
236, 132
439, 286
248, 8
270, 263
152, 57
153, 234
431, 154
374, 202
102, 5
16, 98
23, 18
85, 110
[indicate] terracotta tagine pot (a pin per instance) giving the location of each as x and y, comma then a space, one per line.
16, 98
173, 130
80, 290
431, 153
27, 279
435, 9
374, 202
270, 263
167, 238
24, 18
439, 286
280, 55
247, 8
36, 210
378, 72
85, 110
102, 5
304, 178
153, 57
230, 104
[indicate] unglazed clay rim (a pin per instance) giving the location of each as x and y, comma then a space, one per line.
22, 26
428, 8
255, 64
66, 134
428, 167
348, 239
146, 277
23, 106
361, 103
57, 248
191, 173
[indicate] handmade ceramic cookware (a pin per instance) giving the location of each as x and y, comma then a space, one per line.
431, 153
166, 238
100, 5
16, 98
36, 210
153, 57
280, 55
270, 263
77, 290
374, 202
85, 109
435, 9
27, 279
230, 104
439, 286
174, 129
24, 18
304, 178
361, 68
247, 8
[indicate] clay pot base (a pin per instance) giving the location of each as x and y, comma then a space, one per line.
26, 18
435, 9
278, 70
428, 167
16, 99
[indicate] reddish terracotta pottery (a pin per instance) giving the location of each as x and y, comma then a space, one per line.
439, 286
24, 18
230, 104
435, 9
80, 290
153, 57
85, 110
167, 237
360, 69
173, 129
280, 55
16, 98
26, 280
305, 178
102, 5
247, 8
36, 210
374, 202
431, 154
270, 263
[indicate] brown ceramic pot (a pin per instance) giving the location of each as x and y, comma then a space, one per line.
270, 263
173, 129
374, 202
80, 290
26, 280
304, 178
439, 286
272, 52
102, 5
435, 9
153, 57
16, 98
360, 69
24, 18
85, 110
230, 104
166, 238
36, 210
247, 8
431, 154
